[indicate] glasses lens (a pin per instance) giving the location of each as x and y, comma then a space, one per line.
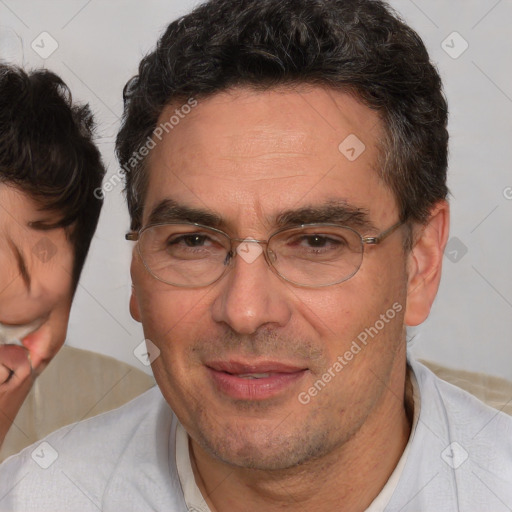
184, 254
316, 255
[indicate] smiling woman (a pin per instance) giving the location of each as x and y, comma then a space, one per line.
49, 168
36, 281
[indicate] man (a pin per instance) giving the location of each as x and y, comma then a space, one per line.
49, 168
286, 180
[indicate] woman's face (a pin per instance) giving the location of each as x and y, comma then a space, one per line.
36, 268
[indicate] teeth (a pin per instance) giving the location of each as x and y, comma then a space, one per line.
15, 333
254, 375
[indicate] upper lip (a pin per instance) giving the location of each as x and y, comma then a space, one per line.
238, 367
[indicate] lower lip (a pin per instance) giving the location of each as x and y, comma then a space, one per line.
254, 389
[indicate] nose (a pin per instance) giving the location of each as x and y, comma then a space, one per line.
250, 295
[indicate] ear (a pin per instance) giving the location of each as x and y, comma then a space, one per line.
134, 306
424, 263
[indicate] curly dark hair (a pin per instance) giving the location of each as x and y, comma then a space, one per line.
357, 46
46, 151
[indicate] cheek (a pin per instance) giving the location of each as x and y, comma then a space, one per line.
340, 314
14, 296
11, 284
173, 321
169, 315
327, 312
57, 296
47, 341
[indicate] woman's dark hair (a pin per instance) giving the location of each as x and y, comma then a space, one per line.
46, 151
356, 46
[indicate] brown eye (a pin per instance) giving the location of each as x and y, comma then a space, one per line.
194, 240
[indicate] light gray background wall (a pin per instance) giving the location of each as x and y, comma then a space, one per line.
100, 43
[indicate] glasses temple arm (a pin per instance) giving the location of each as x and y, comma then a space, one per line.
373, 240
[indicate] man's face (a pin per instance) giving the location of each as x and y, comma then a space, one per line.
36, 276
248, 157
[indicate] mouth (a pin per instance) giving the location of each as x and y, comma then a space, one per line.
254, 381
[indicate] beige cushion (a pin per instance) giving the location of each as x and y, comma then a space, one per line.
76, 385
494, 391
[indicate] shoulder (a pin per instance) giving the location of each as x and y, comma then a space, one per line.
78, 384
75, 464
460, 454
445, 401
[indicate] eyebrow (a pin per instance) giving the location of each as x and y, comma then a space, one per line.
168, 211
331, 212
22, 265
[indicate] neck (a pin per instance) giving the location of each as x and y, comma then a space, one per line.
353, 474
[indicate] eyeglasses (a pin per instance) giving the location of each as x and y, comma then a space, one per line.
191, 255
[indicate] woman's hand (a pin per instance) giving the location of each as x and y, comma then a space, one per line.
16, 379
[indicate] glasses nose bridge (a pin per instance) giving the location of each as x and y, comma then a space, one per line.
235, 243
248, 240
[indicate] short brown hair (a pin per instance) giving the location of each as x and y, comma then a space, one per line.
360, 46
46, 150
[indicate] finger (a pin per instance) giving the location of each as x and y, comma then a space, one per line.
15, 364
41, 348
5, 373
15, 369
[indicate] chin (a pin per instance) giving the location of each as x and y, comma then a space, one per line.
262, 447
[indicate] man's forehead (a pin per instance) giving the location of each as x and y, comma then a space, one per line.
248, 123
268, 152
